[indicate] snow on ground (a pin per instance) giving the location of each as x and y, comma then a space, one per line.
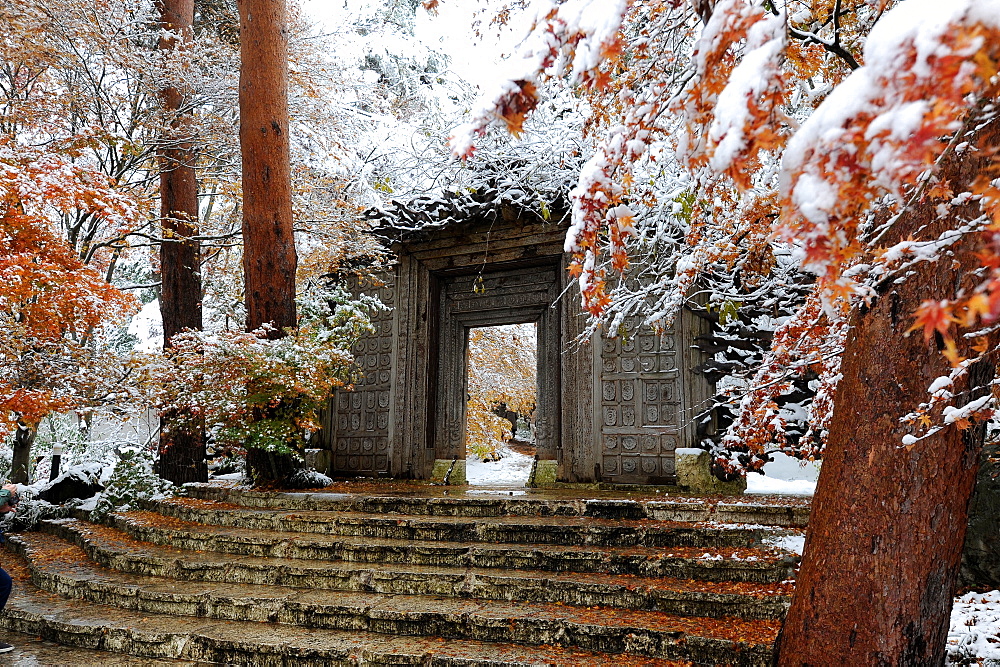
975, 628
512, 470
765, 485
793, 543
785, 475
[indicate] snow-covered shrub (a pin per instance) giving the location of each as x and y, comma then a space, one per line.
35, 506
29, 512
79, 481
132, 479
767, 401
249, 390
308, 479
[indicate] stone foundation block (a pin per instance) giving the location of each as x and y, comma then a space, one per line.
693, 474
441, 472
318, 460
544, 472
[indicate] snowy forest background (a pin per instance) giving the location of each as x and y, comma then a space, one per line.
374, 102
679, 194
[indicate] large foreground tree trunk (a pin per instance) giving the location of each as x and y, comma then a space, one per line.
268, 244
269, 258
182, 446
888, 522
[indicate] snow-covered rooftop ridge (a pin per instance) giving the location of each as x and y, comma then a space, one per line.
429, 212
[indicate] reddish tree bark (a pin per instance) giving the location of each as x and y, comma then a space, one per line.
181, 448
888, 523
269, 258
268, 245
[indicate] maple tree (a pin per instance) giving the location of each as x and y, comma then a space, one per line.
57, 116
842, 134
55, 312
71, 71
254, 391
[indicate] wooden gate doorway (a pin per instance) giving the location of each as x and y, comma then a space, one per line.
501, 374
496, 295
611, 409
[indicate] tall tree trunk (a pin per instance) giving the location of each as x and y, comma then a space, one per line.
888, 522
269, 258
268, 245
24, 438
182, 445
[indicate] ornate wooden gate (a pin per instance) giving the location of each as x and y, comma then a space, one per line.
612, 409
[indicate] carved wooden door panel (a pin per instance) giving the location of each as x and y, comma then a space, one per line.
641, 405
362, 419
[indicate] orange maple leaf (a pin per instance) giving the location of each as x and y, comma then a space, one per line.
935, 316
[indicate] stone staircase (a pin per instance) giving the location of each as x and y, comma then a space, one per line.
235, 576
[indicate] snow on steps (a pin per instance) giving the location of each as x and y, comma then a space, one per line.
649, 633
253, 578
112, 549
83, 624
733, 564
564, 530
794, 515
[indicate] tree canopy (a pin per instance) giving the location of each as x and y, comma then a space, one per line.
736, 138
860, 141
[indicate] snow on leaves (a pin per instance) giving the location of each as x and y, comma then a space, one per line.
776, 103
734, 103
53, 308
928, 69
226, 380
574, 35
809, 342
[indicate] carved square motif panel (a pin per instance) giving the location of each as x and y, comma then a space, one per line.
640, 403
363, 415
661, 403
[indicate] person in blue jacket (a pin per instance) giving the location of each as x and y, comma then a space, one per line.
9, 498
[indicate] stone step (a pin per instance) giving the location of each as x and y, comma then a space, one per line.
64, 569
738, 564
84, 624
33, 651
114, 549
566, 530
432, 501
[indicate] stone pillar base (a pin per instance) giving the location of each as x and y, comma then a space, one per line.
318, 460
440, 472
693, 474
543, 472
